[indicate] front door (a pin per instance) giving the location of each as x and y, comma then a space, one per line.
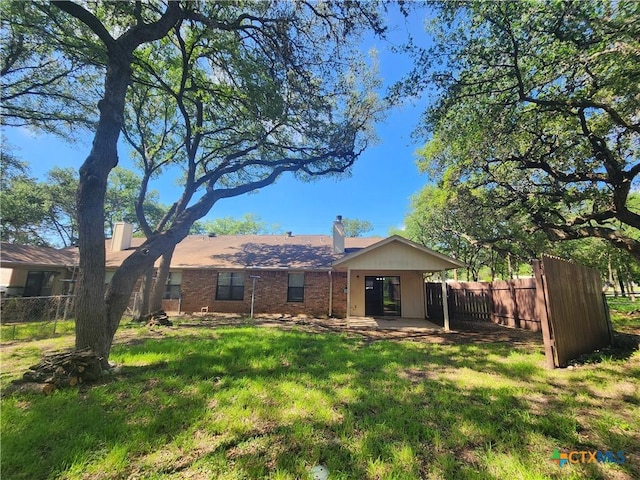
381, 296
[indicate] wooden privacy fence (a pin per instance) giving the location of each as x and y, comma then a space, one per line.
507, 302
574, 315
564, 301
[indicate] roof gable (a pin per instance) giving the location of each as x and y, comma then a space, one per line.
398, 253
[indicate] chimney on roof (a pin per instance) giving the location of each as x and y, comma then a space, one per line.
338, 235
121, 239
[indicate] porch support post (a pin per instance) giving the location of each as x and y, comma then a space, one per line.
445, 302
424, 295
348, 293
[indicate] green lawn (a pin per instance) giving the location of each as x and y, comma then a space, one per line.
253, 402
35, 330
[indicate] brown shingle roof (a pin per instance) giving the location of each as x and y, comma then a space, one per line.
15, 255
307, 252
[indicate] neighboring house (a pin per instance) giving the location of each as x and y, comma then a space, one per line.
28, 271
315, 275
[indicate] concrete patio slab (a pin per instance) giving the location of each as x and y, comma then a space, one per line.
404, 324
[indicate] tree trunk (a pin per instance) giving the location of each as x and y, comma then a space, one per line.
621, 283
492, 265
94, 314
161, 281
145, 294
632, 294
612, 280
91, 310
124, 280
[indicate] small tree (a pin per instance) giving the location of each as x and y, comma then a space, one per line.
354, 227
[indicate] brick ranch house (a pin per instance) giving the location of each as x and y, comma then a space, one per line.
313, 275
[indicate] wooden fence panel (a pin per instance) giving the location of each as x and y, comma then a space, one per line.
525, 297
514, 303
510, 303
575, 309
471, 300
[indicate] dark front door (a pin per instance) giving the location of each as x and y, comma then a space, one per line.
381, 296
373, 299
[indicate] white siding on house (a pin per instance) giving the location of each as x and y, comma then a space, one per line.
5, 276
397, 256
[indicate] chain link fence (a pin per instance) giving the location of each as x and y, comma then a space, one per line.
133, 309
44, 309
34, 317
36, 309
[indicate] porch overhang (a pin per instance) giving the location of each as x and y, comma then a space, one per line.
395, 254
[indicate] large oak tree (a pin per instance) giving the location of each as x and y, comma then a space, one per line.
536, 108
258, 89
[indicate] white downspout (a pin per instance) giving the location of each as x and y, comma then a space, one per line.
348, 294
330, 294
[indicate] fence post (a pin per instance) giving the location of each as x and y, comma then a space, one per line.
541, 307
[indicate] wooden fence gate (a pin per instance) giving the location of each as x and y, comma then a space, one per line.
564, 301
573, 311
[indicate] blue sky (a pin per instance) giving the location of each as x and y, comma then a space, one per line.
378, 189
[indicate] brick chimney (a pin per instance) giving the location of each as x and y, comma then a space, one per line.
122, 233
338, 235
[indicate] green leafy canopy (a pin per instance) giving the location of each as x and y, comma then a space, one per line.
536, 106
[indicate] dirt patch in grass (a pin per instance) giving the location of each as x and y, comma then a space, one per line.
461, 332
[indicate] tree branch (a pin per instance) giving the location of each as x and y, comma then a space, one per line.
88, 18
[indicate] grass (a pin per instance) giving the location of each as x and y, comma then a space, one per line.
625, 314
253, 402
35, 330
623, 305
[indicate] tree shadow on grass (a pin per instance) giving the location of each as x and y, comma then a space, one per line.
268, 401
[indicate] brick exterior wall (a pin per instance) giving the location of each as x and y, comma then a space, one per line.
339, 306
199, 290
